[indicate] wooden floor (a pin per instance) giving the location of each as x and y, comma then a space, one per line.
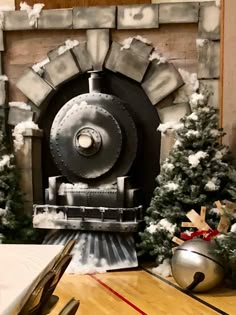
138, 292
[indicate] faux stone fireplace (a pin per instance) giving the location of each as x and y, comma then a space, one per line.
186, 34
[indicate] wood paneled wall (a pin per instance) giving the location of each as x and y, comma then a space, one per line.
57, 4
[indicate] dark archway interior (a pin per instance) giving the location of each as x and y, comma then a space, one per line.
146, 165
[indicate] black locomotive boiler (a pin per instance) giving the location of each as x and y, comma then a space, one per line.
95, 142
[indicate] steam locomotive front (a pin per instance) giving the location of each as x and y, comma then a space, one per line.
94, 142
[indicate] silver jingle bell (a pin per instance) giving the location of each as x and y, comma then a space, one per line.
196, 267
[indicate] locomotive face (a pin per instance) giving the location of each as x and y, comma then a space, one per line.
93, 138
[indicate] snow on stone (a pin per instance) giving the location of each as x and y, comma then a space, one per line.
201, 42
169, 125
191, 133
197, 98
21, 105
67, 46
156, 56
233, 228
33, 12
3, 77
127, 42
193, 116
194, 159
5, 161
47, 219
171, 186
164, 270
18, 132
37, 67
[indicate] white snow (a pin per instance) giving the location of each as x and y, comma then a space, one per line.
18, 132
156, 56
190, 79
168, 166
201, 42
169, 125
171, 186
233, 228
163, 224
215, 211
164, 269
191, 133
177, 144
197, 98
37, 67
5, 161
2, 211
205, 109
3, 77
21, 105
211, 185
47, 218
67, 46
194, 159
193, 116
33, 12
214, 132
127, 42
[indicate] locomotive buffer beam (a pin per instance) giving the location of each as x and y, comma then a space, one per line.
88, 218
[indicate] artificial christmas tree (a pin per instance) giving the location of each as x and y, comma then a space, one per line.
197, 172
14, 226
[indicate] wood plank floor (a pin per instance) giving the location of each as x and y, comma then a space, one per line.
138, 292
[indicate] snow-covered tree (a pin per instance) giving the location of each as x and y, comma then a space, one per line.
14, 226
197, 172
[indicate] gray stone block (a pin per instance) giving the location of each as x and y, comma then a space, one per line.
98, 42
210, 88
161, 80
2, 93
137, 16
178, 12
131, 65
1, 40
209, 21
55, 19
34, 87
17, 115
173, 112
140, 48
62, 68
16, 20
94, 17
113, 56
208, 59
82, 56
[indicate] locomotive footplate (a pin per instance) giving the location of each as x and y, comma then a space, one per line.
88, 218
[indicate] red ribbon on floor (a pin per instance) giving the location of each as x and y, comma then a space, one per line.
207, 235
